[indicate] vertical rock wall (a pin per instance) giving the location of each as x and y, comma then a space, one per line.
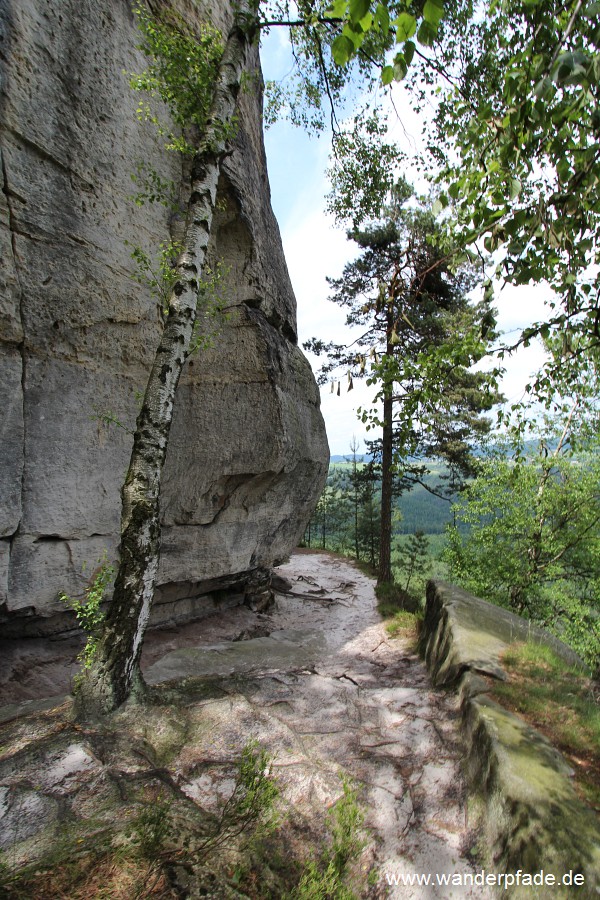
248, 451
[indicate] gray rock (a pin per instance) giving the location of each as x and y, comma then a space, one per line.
531, 818
248, 452
11, 438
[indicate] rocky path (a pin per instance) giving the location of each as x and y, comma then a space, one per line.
328, 692
318, 681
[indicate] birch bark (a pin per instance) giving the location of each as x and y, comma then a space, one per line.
115, 673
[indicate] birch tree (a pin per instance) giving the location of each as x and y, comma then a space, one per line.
114, 671
327, 38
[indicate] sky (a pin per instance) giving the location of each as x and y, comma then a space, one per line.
316, 248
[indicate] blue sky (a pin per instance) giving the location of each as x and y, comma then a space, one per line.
315, 248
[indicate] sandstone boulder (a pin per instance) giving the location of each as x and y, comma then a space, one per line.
248, 451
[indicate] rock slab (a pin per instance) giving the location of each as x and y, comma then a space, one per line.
318, 682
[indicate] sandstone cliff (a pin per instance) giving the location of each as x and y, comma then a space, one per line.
248, 452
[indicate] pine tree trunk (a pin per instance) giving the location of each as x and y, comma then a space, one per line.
115, 672
384, 574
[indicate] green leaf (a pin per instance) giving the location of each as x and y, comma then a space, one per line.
426, 34
358, 9
544, 89
433, 12
342, 49
409, 51
571, 67
337, 10
406, 26
515, 188
382, 18
387, 74
354, 34
454, 190
400, 67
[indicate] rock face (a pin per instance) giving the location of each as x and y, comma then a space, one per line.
248, 451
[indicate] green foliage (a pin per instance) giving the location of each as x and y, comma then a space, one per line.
92, 859
363, 27
158, 275
413, 558
152, 188
533, 542
249, 808
421, 336
516, 135
255, 792
344, 51
181, 72
391, 598
318, 883
405, 624
362, 170
348, 517
345, 822
212, 307
150, 828
88, 611
109, 418
325, 878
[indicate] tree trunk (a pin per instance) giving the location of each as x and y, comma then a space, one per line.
384, 574
115, 672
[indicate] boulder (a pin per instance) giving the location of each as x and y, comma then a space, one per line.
248, 452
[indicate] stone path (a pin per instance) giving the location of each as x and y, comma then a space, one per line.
330, 691
321, 685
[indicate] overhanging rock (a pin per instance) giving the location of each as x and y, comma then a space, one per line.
248, 452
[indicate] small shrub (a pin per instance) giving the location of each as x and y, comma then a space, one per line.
88, 611
150, 828
391, 598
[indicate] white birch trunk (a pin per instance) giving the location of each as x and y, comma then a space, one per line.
115, 673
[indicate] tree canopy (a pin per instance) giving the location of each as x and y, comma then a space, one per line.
421, 333
512, 145
533, 538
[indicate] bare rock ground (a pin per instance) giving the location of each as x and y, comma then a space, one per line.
321, 685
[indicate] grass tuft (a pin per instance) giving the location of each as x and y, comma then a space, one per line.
405, 624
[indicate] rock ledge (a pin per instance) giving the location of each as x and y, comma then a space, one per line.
532, 817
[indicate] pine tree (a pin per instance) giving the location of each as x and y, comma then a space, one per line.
422, 335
